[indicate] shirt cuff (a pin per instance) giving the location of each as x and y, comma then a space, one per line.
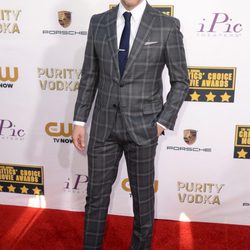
161, 125
79, 123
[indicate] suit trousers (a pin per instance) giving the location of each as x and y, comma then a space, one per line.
103, 161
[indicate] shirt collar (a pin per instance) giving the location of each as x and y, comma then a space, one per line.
137, 12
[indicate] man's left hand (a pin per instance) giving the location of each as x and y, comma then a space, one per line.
160, 130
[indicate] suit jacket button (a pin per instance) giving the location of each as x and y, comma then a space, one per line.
114, 105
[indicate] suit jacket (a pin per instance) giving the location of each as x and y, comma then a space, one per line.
138, 94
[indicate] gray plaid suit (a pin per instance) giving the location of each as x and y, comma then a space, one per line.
125, 114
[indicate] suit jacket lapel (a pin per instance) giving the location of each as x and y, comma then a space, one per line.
112, 36
141, 37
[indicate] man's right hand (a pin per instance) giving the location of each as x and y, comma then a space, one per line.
78, 136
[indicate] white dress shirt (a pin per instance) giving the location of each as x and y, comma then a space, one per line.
135, 21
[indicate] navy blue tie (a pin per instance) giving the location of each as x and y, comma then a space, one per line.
124, 43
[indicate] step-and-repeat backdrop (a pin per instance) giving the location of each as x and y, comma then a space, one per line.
202, 168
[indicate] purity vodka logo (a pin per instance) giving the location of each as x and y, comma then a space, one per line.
9, 21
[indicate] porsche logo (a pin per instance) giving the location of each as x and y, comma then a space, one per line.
64, 18
190, 136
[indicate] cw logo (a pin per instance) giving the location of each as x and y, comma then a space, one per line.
126, 186
58, 129
5, 75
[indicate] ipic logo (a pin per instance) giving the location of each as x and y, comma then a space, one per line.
77, 184
220, 24
126, 186
8, 130
8, 76
60, 132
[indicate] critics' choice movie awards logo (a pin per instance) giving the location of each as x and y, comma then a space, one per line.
54, 79
8, 76
21, 179
165, 9
242, 142
126, 187
64, 18
210, 84
199, 193
10, 131
219, 24
60, 132
9, 21
76, 184
190, 138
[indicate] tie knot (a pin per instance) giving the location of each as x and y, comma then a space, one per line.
127, 16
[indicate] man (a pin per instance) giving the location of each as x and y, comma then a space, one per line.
126, 52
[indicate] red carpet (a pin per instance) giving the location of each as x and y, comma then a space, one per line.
35, 229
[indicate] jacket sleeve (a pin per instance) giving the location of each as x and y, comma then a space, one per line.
89, 79
177, 70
